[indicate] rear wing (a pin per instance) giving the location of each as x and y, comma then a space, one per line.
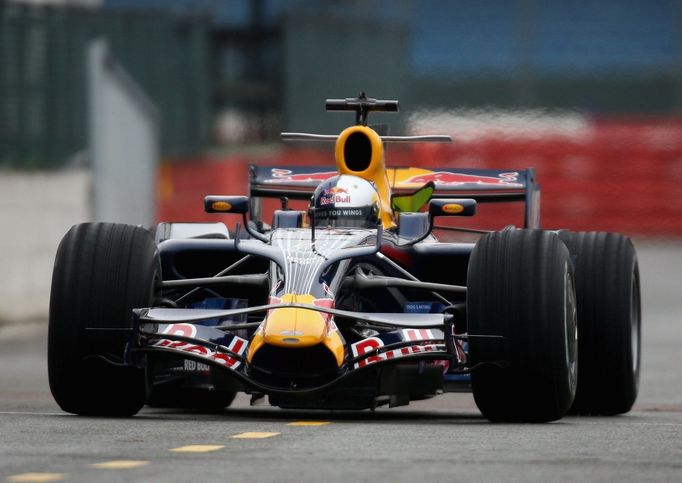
484, 185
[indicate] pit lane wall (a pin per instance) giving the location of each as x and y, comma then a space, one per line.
613, 175
36, 210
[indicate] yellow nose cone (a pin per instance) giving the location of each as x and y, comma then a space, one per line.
294, 328
297, 328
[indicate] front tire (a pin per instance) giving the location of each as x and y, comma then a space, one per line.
102, 271
609, 321
520, 286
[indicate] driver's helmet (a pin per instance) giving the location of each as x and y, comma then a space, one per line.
346, 201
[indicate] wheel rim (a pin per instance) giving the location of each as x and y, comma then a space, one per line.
571, 328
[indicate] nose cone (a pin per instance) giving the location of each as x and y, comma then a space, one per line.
287, 328
293, 327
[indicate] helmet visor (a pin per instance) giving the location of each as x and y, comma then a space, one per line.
360, 217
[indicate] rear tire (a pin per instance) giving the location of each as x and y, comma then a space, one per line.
520, 286
609, 321
102, 271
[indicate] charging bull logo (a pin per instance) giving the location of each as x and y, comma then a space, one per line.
288, 176
336, 190
446, 178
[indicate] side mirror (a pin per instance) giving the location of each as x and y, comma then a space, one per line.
226, 204
453, 207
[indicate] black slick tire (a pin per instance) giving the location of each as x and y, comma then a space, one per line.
520, 286
102, 271
609, 321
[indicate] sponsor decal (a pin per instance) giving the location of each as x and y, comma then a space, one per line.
424, 307
237, 345
365, 346
288, 176
335, 194
194, 366
417, 334
368, 345
445, 178
329, 200
327, 303
184, 330
418, 307
221, 206
344, 212
335, 190
452, 208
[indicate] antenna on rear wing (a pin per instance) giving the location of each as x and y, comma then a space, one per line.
362, 105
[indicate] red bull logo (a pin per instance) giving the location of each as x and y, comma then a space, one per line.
328, 200
335, 194
335, 190
288, 176
447, 178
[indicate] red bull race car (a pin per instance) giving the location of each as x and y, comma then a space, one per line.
350, 303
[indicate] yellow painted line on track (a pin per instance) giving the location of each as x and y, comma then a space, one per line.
197, 448
309, 423
254, 435
119, 464
37, 477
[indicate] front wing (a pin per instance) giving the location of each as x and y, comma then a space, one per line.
183, 333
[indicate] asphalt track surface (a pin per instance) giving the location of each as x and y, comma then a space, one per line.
442, 439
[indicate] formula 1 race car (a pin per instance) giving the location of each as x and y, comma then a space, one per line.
351, 303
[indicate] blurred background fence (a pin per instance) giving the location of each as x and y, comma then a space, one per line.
590, 93
225, 74
43, 82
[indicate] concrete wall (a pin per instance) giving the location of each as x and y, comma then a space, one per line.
36, 210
